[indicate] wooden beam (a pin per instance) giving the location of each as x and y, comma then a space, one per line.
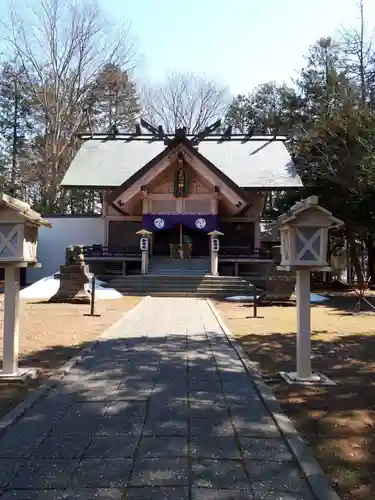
237, 219
205, 132
227, 135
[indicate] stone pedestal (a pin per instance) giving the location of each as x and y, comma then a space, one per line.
280, 284
73, 278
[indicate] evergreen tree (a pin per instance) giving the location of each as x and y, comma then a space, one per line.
15, 127
114, 100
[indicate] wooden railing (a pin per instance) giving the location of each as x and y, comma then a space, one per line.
102, 251
243, 251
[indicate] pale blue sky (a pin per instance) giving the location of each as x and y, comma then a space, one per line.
242, 43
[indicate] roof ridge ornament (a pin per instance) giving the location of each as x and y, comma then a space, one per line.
159, 134
200, 136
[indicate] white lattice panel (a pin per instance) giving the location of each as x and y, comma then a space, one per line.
10, 238
163, 206
197, 206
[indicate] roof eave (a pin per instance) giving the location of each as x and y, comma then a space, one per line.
118, 190
24, 210
98, 187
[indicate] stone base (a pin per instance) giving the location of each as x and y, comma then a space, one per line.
314, 379
279, 286
73, 281
71, 299
21, 375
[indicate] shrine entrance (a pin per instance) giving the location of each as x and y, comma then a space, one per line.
168, 242
180, 236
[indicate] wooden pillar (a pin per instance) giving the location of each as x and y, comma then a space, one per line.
11, 320
304, 371
144, 261
214, 258
257, 234
123, 270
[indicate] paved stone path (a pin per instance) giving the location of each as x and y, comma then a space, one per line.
162, 408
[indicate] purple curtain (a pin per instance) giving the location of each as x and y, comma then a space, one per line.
201, 222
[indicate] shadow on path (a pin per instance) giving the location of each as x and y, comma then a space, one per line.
154, 416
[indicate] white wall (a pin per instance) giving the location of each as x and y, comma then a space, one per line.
65, 231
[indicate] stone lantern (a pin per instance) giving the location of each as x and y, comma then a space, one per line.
19, 226
144, 246
304, 242
215, 246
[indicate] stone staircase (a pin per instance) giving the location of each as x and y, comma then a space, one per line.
165, 266
185, 285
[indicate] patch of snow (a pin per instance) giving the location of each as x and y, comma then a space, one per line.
242, 298
47, 287
314, 298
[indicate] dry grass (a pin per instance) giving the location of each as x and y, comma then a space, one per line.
338, 421
50, 334
325, 320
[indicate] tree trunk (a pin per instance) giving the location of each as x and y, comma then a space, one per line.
355, 261
353, 248
370, 245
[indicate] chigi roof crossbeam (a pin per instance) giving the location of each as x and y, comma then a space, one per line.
157, 134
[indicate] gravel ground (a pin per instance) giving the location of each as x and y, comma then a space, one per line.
338, 421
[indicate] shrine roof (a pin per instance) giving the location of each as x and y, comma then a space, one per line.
262, 162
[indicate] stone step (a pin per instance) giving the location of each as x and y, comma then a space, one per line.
154, 277
205, 295
226, 291
176, 267
182, 286
188, 286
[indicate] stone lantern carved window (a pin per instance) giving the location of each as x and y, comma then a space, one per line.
9, 239
308, 243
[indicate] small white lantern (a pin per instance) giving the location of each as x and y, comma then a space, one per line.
215, 244
304, 235
144, 244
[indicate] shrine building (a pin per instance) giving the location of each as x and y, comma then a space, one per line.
180, 188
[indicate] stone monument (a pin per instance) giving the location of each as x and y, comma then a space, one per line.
74, 275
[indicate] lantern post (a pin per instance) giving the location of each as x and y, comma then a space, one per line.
19, 226
304, 240
144, 246
215, 245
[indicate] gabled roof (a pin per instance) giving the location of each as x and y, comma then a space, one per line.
260, 162
154, 161
24, 210
302, 206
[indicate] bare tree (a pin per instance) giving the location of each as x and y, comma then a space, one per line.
359, 57
185, 100
62, 46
